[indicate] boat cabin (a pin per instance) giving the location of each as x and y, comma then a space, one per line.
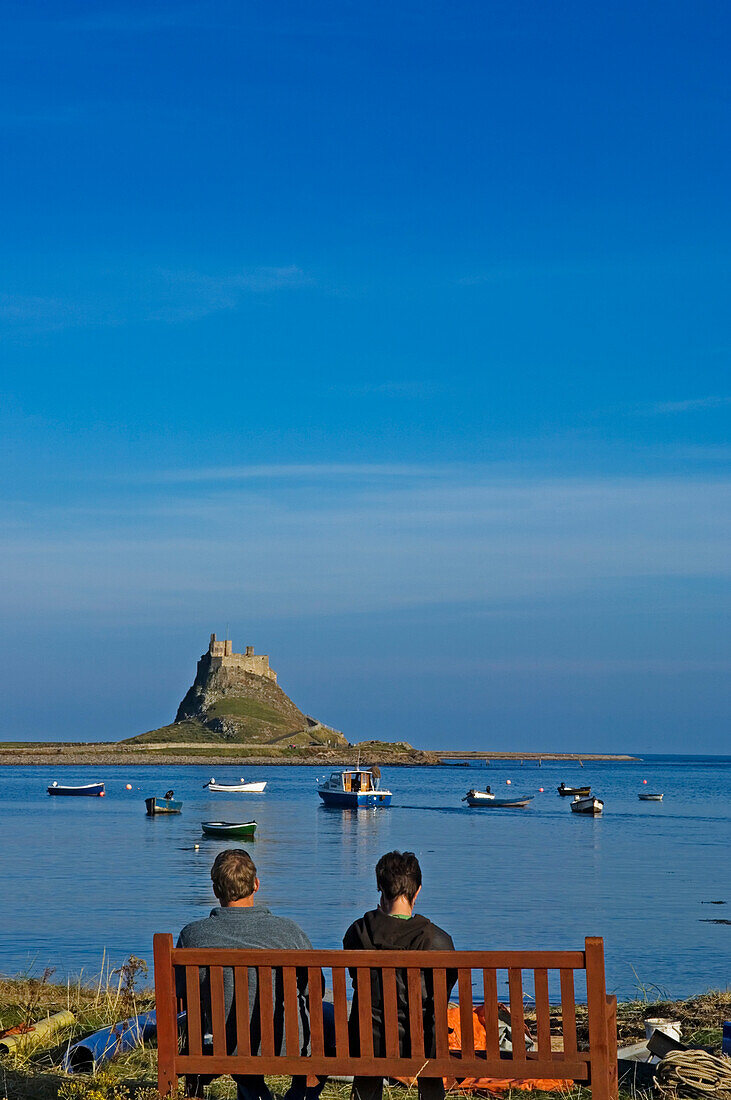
356, 781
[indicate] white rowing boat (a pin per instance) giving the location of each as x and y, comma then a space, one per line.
235, 788
488, 800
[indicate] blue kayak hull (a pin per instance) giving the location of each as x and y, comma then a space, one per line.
356, 800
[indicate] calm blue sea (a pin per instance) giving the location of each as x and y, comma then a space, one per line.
81, 877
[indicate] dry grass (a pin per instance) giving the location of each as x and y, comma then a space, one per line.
113, 995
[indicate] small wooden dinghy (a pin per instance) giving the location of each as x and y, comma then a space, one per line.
587, 805
487, 800
235, 788
163, 806
229, 828
647, 797
563, 790
88, 789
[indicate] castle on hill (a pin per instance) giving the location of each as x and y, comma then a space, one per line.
222, 656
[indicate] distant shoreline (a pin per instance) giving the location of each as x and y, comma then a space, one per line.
76, 754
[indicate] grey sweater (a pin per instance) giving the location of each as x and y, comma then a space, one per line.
255, 927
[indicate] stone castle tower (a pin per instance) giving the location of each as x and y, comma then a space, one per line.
222, 656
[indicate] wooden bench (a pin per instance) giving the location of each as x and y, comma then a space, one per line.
480, 978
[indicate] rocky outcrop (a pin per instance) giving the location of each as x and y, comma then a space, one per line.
229, 703
217, 690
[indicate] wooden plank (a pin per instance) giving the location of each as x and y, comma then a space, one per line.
416, 1011
466, 1022
193, 1009
612, 1045
517, 1014
218, 1009
365, 1013
167, 1022
492, 960
543, 1013
291, 1013
577, 1070
492, 1023
241, 993
441, 1026
596, 1003
266, 1010
568, 1014
314, 993
340, 1004
390, 1012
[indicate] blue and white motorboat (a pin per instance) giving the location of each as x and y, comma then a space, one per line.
354, 789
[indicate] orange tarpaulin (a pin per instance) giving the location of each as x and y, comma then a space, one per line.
487, 1084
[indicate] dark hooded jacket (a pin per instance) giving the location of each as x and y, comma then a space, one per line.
377, 931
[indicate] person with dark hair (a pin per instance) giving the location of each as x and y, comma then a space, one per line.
394, 926
238, 922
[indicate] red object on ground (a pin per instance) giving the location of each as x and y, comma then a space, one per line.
494, 1085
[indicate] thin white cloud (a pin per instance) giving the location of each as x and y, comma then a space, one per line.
295, 472
414, 389
296, 545
161, 295
190, 295
691, 404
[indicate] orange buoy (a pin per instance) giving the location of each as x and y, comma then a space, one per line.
541, 789
508, 781
644, 781
101, 794
129, 786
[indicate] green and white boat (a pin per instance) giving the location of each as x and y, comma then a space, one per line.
229, 828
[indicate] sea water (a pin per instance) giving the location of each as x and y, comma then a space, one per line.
84, 877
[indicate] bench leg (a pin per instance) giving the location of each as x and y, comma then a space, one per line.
167, 1082
602, 1028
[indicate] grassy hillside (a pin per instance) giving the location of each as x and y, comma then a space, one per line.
250, 723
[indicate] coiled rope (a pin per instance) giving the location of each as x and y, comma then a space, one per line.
694, 1073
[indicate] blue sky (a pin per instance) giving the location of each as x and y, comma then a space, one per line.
392, 337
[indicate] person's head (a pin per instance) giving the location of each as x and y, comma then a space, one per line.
398, 877
233, 875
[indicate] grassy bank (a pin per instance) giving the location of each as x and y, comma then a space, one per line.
285, 751
34, 1073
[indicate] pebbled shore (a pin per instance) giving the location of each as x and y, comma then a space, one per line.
25, 753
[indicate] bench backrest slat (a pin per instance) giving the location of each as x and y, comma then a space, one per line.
492, 1023
340, 1011
241, 994
466, 1023
218, 1014
568, 1013
390, 1012
314, 986
291, 1014
193, 1001
543, 1012
365, 1019
266, 1009
517, 1015
416, 1012
439, 978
